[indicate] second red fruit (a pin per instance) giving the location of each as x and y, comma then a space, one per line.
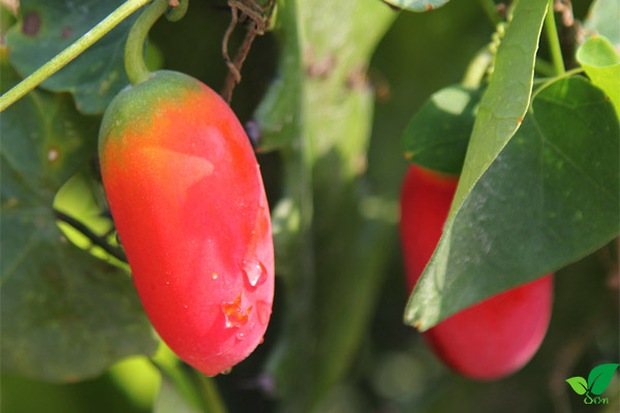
493, 338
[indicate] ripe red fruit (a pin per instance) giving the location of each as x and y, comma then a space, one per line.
491, 339
188, 201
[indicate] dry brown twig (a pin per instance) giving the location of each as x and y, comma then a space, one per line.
259, 18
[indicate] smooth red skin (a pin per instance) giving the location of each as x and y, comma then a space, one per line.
491, 339
189, 205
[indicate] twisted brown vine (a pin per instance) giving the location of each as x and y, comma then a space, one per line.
258, 18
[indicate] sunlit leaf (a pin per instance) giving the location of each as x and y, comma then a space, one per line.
602, 19
548, 199
602, 65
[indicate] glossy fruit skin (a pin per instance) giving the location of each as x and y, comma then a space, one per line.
491, 339
189, 205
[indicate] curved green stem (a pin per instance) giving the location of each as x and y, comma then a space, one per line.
553, 40
135, 66
71, 52
177, 12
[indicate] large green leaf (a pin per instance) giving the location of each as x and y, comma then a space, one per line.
45, 28
500, 113
65, 314
548, 199
507, 97
602, 64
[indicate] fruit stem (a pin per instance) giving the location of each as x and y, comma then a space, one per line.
135, 66
71, 52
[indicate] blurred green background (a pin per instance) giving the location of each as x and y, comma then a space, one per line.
394, 371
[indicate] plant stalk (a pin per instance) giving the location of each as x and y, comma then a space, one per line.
135, 66
554, 41
71, 52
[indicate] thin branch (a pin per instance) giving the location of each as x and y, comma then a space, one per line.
88, 233
70, 53
234, 74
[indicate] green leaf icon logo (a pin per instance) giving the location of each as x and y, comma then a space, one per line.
600, 377
598, 380
578, 384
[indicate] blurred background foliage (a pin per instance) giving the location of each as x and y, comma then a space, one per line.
393, 371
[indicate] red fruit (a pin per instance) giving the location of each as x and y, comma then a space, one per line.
189, 205
493, 338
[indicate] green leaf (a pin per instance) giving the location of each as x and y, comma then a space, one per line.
45, 28
65, 314
417, 5
602, 19
600, 377
602, 65
578, 384
549, 198
438, 134
500, 113
505, 102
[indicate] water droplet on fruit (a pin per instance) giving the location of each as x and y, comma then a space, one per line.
240, 336
235, 316
254, 271
263, 312
226, 372
214, 276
